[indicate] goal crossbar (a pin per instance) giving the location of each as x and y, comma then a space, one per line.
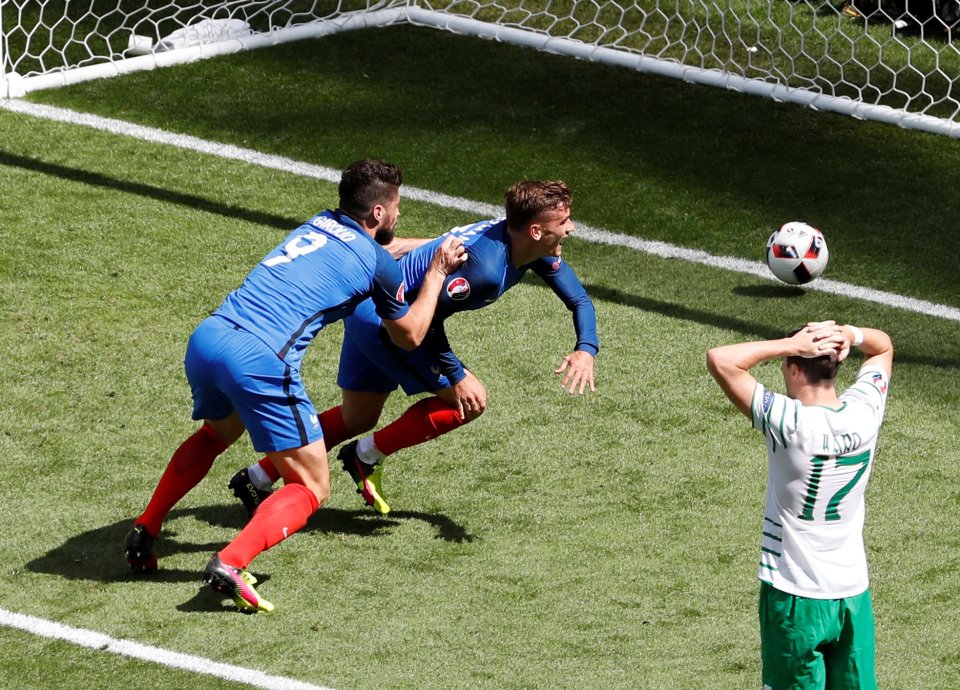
15, 86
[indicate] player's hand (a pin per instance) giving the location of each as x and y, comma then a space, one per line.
450, 255
819, 339
471, 397
813, 325
845, 346
579, 372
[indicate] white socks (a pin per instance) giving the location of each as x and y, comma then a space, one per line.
368, 452
259, 478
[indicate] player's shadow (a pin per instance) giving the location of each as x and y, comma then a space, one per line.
771, 291
748, 328
358, 523
446, 529
96, 179
680, 311
97, 554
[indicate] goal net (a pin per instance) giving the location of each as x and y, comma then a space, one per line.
888, 60
49, 44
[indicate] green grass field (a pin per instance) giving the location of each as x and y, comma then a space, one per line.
557, 542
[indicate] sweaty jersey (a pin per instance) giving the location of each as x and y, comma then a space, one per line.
316, 276
819, 462
486, 275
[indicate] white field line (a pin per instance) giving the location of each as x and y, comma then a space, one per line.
661, 249
143, 652
94, 640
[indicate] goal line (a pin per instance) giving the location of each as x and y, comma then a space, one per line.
598, 235
821, 54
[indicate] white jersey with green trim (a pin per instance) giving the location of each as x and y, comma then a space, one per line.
819, 462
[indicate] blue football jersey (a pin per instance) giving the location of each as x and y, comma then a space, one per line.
316, 276
486, 275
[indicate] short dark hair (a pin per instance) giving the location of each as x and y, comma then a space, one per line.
527, 199
816, 369
366, 183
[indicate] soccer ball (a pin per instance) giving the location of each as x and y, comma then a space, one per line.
797, 253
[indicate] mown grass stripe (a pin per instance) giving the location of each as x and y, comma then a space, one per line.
600, 236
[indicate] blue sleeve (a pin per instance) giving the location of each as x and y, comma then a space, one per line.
388, 287
565, 284
416, 263
437, 343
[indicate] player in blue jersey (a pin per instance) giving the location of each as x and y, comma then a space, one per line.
243, 365
529, 238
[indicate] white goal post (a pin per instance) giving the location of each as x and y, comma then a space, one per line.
887, 60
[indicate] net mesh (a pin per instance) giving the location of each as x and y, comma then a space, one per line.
881, 55
896, 53
43, 37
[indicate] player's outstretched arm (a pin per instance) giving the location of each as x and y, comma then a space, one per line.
730, 364
876, 346
409, 330
577, 370
400, 246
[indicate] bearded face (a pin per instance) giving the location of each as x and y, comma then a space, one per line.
388, 221
384, 236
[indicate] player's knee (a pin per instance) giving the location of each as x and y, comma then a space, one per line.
227, 431
316, 482
322, 494
360, 423
366, 425
320, 491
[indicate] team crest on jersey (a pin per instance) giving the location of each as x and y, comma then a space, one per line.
556, 263
458, 289
400, 292
880, 383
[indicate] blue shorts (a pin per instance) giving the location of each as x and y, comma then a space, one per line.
231, 370
371, 363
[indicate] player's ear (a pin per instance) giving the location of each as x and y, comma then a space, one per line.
377, 213
536, 232
792, 371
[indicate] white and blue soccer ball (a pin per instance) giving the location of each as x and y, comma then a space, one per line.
797, 253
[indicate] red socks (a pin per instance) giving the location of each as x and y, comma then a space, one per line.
334, 433
189, 464
334, 430
424, 420
285, 512
289, 508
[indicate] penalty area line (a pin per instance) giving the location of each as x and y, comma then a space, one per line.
135, 650
319, 172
